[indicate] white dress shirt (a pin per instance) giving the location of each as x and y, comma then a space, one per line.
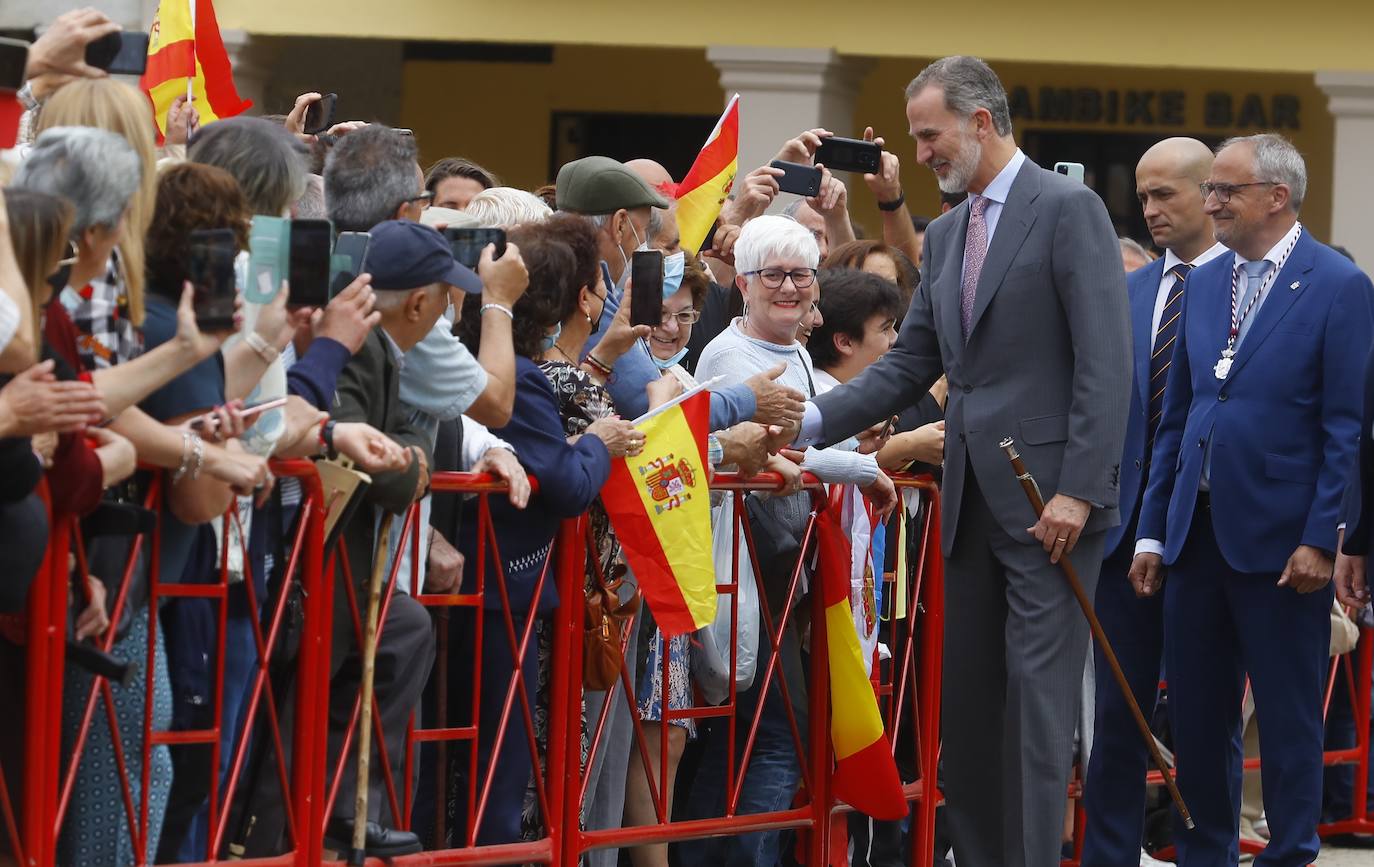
1166, 281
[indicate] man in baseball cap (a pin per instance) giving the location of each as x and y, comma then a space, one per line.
620, 200
413, 273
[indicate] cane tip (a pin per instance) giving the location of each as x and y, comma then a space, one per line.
1188, 823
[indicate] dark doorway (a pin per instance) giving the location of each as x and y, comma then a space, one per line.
672, 139
1109, 168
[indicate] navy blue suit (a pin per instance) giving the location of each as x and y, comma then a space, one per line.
1282, 430
1114, 796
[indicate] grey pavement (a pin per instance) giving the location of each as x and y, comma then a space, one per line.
1336, 857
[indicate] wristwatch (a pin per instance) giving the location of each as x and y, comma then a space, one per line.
26, 97
894, 204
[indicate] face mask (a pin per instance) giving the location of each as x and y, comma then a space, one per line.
605, 281
665, 363
642, 247
551, 339
673, 268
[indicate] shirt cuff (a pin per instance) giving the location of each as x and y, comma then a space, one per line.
810, 427
1149, 546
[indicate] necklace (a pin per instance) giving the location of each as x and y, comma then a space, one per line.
563, 352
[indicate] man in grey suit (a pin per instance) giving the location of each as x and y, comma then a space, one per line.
1024, 306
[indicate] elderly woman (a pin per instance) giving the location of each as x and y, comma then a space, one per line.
570, 477
775, 259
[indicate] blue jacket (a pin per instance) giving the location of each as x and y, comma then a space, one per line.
1142, 287
570, 478
1283, 427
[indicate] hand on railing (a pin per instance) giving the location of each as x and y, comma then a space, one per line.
503, 465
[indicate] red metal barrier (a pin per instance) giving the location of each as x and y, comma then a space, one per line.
908, 689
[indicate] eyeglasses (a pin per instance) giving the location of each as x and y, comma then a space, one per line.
773, 277
690, 316
1224, 192
425, 199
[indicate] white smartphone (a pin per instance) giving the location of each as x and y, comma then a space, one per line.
1073, 170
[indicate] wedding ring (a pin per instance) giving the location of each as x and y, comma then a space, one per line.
1062, 539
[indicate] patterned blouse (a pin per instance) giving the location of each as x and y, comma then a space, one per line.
100, 311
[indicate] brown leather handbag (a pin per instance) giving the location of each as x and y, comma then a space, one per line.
602, 656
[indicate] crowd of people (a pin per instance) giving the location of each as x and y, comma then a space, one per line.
830, 356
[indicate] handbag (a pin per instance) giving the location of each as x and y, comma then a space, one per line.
602, 655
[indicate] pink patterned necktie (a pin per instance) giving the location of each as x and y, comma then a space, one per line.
975, 251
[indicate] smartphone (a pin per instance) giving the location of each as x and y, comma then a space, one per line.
319, 116
210, 256
252, 410
269, 241
799, 179
124, 52
468, 244
850, 155
311, 246
14, 57
646, 288
350, 256
1073, 170
710, 240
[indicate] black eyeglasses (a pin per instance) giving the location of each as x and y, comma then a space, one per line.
773, 277
1224, 192
425, 199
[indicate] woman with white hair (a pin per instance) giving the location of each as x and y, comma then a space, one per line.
775, 261
507, 207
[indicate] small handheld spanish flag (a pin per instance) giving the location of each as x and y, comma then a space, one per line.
186, 56
865, 774
659, 504
703, 191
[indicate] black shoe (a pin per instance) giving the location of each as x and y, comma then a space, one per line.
381, 842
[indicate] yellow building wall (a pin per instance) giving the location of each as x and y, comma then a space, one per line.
1256, 34
499, 114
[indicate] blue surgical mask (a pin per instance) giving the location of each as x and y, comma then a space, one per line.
551, 338
673, 268
665, 363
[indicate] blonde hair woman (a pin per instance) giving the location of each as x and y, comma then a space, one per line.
110, 105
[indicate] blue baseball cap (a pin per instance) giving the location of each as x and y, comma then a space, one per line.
404, 255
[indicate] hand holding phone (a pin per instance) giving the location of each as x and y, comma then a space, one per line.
349, 260
311, 248
646, 288
123, 52
319, 115
850, 155
798, 179
230, 417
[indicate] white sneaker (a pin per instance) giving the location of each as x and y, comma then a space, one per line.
1147, 861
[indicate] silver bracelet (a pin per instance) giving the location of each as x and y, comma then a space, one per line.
197, 446
185, 456
503, 308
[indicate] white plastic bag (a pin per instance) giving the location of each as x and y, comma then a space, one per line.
711, 651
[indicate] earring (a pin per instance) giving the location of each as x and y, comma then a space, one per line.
70, 260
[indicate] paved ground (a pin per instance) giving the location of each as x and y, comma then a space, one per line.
1332, 857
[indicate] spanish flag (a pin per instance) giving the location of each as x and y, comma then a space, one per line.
660, 506
184, 43
865, 774
703, 191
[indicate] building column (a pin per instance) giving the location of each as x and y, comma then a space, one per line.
784, 91
1350, 98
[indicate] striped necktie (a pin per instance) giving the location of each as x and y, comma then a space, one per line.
1163, 350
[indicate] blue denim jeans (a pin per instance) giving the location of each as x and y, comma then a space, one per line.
774, 771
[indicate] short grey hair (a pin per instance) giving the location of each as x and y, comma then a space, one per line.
310, 205
505, 207
96, 170
369, 174
263, 157
774, 237
969, 84
1276, 162
1131, 245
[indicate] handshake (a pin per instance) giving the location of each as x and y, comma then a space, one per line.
750, 445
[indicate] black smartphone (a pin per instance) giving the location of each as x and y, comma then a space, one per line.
646, 288
710, 240
468, 244
799, 179
308, 271
124, 52
348, 261
14, 57
319, 116
850, 155
210, 255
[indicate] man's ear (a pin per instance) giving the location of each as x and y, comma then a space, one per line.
415, 304
844, 344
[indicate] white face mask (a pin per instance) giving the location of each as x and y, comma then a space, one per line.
642, 247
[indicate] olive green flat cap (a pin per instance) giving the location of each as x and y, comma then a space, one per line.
601, 185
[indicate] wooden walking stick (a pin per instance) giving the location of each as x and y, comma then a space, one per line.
1038, 505
374, 598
